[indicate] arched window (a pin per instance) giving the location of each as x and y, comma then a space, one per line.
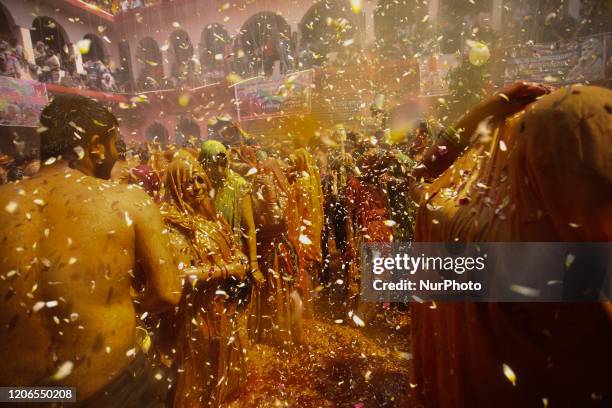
460, 20
181, 56
215, 44
187, 132
52, 34
399, 27
7, 24
266, 38
157, 133
330, 26
181, 45
150, 64
96, 51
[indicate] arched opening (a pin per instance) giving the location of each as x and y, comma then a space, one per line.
215, 45
266, 38
330, 26
157, 133
49, 32
96, 51
150, 64
187, 132
181, 50
461, 20
7, 25
399, 27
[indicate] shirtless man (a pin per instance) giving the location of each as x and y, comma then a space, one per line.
74, 249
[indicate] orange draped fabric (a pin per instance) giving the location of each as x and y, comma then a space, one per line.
272, 314
305, 223
207, 348
544, 174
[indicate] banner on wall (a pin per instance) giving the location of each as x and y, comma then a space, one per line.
561, 62
262, 98
21, 102
433, 71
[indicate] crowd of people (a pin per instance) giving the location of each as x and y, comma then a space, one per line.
237, 242
51, 67
12, 59
160, 279
115, 6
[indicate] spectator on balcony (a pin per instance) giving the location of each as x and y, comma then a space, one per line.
270, 55
18, 52
107, 83
51, 68
68, 62
72, 79
9, 65
93, 80
39, 53
95, 72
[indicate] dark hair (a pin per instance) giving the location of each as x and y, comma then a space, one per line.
121, 149
15, 172
71, 121
143, 155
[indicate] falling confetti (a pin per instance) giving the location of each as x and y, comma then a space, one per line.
357, 320
11, 207
569, 260
84, 45
128, 220
479, 53
525, 291
509, 373
63, 371
184, 100
80, 152
305, 240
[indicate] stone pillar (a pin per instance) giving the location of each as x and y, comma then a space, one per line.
78, 59
434, 6
26, 40
573, 9
496, 14
368, 11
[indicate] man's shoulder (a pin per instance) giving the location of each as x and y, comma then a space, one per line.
131, 194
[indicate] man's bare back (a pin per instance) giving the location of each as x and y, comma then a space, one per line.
71, 248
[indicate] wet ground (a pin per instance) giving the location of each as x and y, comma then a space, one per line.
338, 365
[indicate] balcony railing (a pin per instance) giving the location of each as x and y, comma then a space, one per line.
107, 9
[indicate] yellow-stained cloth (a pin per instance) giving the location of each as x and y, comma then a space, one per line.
208, 348
544, 174
305, 223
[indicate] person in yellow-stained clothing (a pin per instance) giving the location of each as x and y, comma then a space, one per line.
529, 170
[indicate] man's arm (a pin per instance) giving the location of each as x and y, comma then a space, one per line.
153, 254
248, 226
455, 139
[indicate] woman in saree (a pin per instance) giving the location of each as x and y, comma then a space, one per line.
209, 360
368, 218
232, 199
540, 173
275, 307
305, 224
